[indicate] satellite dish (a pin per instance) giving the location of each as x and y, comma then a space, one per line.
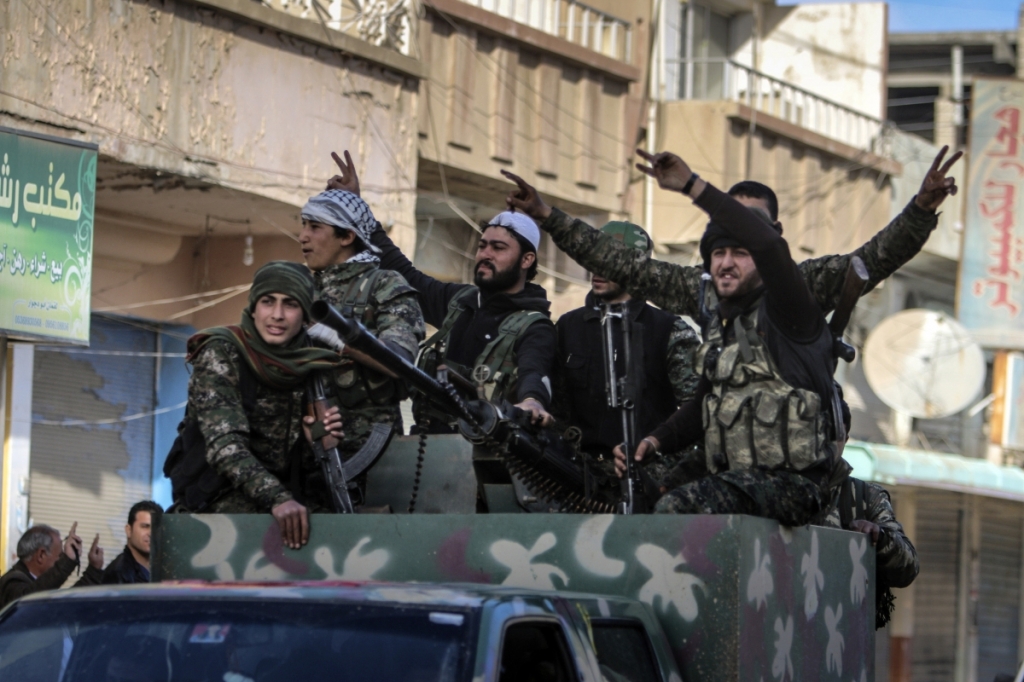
924, 363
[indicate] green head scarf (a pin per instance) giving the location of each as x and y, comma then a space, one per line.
629, 234
285, 366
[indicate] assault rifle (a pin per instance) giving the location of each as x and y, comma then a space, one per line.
542, 460
622, 394
853, 286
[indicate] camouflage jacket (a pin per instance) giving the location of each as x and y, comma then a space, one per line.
252, 452
393, 315
676, 288
896, 557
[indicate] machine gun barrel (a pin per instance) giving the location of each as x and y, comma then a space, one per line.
357, 336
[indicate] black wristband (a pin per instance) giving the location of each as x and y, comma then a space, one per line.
689, 183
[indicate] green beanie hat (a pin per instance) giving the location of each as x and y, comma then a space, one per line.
283, 277
629, 234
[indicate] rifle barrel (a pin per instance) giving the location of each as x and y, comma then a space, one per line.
357, 336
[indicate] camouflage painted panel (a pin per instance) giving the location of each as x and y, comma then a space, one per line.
739, 598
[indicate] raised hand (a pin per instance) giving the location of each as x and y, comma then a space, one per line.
526, 199
669, 170
96, 553
348, 180
936, 186
73, 543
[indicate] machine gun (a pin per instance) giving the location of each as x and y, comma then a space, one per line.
621, 392
543, 460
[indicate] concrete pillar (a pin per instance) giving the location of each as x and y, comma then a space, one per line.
945, 127
17, 443
901, 628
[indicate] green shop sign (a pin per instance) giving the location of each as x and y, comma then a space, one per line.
47, 206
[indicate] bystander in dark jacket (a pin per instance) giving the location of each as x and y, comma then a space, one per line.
43, 564
132, 565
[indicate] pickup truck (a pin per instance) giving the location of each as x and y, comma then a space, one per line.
336, 631
738, 598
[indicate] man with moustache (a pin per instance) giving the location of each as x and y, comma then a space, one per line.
662, 367
765, 403
501, 321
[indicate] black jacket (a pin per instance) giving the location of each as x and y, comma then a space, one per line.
18, 581
535, 349
580, 383
125, 570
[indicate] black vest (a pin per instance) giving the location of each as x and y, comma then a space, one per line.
581, 363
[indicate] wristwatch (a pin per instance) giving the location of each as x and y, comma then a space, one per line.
689, 183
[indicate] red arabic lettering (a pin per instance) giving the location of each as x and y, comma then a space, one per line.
997, 204
1009, 132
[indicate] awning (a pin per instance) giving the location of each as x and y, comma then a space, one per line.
892, 465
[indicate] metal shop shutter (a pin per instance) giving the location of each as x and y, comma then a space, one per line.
999, 598
933, 649
93, 473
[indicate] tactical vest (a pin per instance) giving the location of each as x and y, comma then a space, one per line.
752, 417
356, 383
498, 356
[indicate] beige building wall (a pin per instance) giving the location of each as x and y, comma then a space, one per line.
214, 120
836, 51
832, 198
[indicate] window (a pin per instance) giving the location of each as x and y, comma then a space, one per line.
194, 640
697, 49
623, 648
535, 652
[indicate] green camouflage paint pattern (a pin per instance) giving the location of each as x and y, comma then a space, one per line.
739, 598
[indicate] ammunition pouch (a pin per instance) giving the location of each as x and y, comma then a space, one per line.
752, 417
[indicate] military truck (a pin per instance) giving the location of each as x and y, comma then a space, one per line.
738, 598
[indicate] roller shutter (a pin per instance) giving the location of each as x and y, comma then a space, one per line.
999, 598
92, 473
933, 650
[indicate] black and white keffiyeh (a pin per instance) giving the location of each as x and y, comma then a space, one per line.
342, 209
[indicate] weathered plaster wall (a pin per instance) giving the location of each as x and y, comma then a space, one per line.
492, 103
191, 91
837, 51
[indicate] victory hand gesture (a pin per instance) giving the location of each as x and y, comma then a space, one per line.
669, 170
526, 199
936, 186
348, 180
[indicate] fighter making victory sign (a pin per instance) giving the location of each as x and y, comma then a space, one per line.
766, 395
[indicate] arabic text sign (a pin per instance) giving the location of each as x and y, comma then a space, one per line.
47, 203
991, 290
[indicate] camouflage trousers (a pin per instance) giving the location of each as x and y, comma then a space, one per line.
788, 497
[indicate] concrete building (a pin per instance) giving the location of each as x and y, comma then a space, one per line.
214, 122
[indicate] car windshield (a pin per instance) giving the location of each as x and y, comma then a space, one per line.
231, 640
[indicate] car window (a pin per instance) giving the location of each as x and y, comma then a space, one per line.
535, 651
624, 652
232, 640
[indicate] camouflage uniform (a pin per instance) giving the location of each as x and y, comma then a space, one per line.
684, 378
896, 558
393, 316
251, 452
676, 288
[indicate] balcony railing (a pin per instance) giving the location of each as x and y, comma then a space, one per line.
387, 23
731, 81
570, 20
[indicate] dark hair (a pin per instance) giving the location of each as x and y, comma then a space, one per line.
524, 248
358, 245
755, 190
145, 506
